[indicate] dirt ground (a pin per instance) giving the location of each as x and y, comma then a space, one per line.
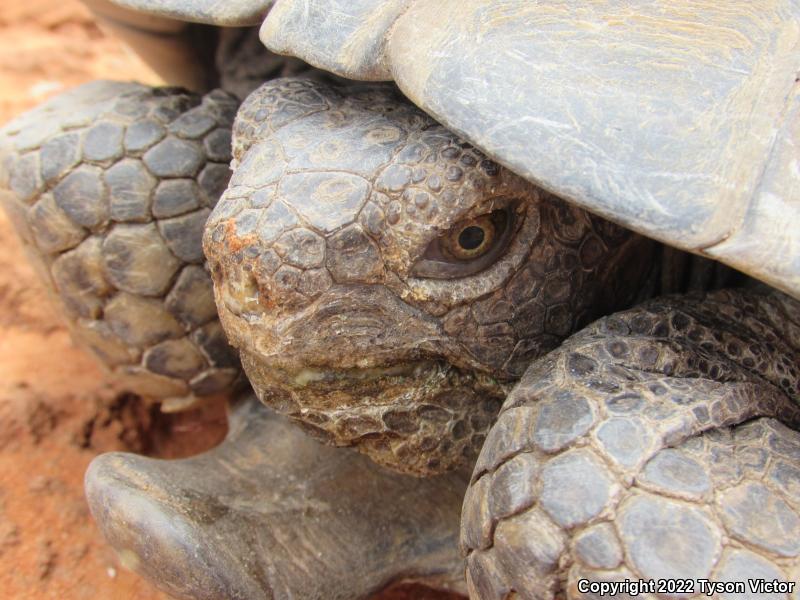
57, 407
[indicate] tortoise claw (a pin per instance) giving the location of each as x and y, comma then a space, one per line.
270, 513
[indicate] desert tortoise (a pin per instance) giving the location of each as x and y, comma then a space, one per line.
361, 247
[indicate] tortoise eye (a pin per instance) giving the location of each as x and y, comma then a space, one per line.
471, 239
468, 247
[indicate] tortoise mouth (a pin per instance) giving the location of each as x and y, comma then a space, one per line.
335, 378
418, 417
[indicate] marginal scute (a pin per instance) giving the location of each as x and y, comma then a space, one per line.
635, 147
232, 13
350, 48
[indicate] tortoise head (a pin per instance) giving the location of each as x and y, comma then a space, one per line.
385, 281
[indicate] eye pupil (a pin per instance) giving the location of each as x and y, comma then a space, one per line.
471, 237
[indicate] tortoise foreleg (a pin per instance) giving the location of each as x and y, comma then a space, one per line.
650, 445
109, 186
271, 513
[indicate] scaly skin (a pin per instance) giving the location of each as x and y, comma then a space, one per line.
323, 256
619, 454
109, 186
656, 443
653, 444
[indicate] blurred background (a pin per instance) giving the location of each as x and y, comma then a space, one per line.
57, 407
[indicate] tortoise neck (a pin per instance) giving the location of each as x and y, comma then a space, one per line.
678, 272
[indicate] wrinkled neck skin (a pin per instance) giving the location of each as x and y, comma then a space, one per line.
680, 272
386, 283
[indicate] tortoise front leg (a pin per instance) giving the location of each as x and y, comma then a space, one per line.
654, 445
109, 186
271, 513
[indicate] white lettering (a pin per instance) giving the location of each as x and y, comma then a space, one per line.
762, 586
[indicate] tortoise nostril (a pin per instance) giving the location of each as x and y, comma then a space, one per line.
240, 291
